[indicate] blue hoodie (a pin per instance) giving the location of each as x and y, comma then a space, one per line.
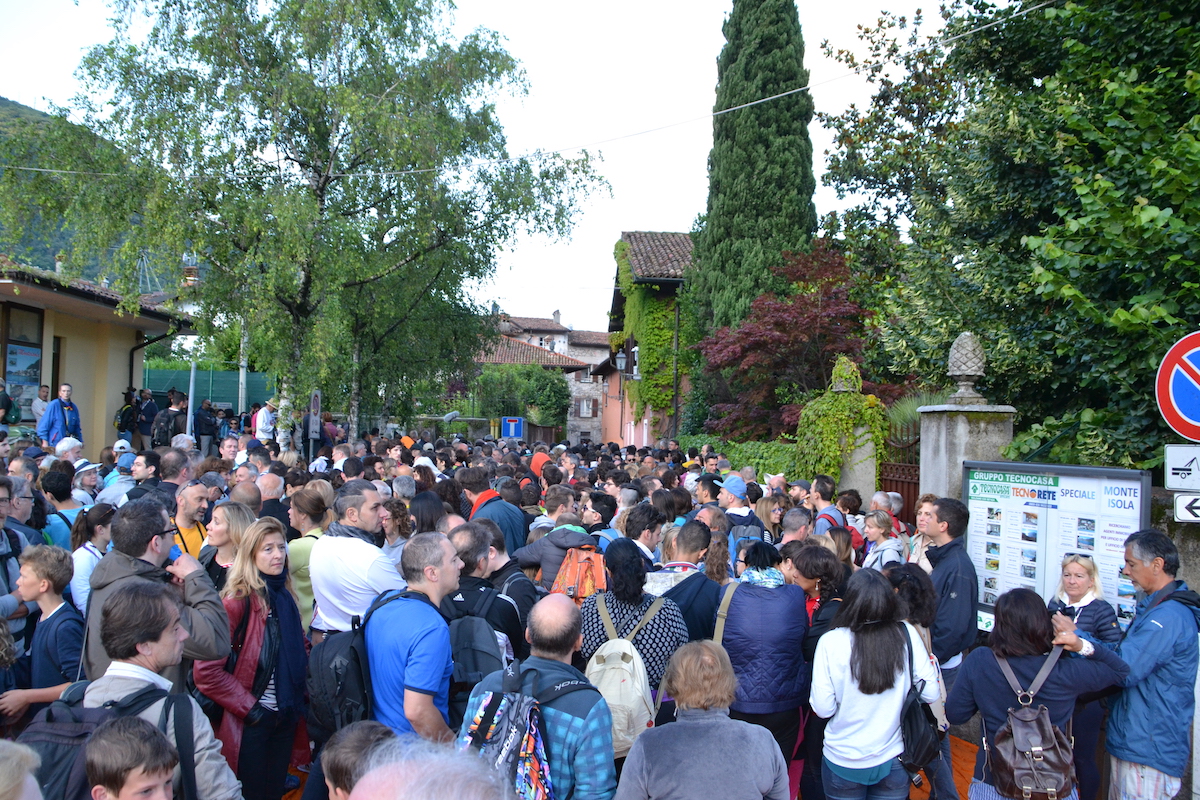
1148, 723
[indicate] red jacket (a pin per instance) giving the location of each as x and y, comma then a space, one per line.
232, 691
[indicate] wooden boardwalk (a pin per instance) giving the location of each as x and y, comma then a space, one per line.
963, 756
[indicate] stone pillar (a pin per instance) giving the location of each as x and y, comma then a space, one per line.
965, 428
860, 469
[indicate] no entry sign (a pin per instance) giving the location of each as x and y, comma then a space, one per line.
1177, 388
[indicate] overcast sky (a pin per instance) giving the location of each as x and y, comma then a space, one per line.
595, 72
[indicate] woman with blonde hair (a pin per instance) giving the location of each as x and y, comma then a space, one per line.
770, 508
311, 512
1081, 597
261, 685
675, 761
225, 530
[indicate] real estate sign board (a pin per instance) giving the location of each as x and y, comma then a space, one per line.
1025, 518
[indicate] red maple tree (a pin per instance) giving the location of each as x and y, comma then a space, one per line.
786, 347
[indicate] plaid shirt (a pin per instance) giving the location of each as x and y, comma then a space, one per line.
577, 729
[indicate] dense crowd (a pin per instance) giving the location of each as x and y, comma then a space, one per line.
412, 618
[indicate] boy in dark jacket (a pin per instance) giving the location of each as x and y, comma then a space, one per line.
53, 660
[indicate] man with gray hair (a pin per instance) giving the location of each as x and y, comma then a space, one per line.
68, 449
347, 567
270, 486
408, 642
796, 526
405, 488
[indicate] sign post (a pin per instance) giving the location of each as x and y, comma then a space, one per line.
314, 425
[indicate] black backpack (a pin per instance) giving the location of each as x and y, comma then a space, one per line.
163, 428
339, 675
11, 409
475, 650
59, 732
918, 726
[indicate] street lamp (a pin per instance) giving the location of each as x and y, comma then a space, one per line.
621, 361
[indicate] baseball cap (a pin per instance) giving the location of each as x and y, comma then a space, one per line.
121, 446
33, 452
125, 462
803, 484
734, 484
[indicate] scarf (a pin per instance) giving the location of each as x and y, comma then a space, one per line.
292, 663
768, 578
484, 496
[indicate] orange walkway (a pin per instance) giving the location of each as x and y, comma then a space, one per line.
963, 755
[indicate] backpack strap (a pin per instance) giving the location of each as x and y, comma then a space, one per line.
610, 630
185, 742
1025, 697
654, 608
723, 612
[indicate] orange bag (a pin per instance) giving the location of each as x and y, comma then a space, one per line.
581, 574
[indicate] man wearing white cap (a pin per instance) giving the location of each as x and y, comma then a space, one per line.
264, 421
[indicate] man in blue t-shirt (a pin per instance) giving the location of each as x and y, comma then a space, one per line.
408, 643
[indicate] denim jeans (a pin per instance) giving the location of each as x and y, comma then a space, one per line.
941, 772
894, 786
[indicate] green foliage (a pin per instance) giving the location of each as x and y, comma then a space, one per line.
760, 167
1091, 437
826, 433
766, 457
542, 395
649, 321
904, 411
1049, 170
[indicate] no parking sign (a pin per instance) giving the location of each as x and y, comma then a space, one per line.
1177, 388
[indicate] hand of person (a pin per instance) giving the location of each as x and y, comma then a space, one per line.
1063, 623
13, 703
1069, 640
259, 715
183, 566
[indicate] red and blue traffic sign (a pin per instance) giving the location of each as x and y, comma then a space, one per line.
1177, 387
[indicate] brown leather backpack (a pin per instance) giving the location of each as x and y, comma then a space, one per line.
1029, 758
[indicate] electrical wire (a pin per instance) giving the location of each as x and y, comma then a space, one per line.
647, 131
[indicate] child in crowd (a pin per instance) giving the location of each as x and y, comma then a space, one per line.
345, 757
129, 759
53, 660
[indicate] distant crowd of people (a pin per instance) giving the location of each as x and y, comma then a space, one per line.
412, 618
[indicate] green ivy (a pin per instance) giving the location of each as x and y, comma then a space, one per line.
825, 434
649, 321
766, 457
1091, 437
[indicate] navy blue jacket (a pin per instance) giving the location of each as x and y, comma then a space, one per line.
764, 635
1096, 618
53, 659
981, 686
957, 586
510, 519
697, 596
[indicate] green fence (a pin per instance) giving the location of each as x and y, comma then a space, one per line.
220, 386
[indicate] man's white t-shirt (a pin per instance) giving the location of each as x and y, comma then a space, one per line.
347, 574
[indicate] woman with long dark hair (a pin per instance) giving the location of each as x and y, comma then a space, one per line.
262, 695
90, 536
1024, 636
860, 680
426, 509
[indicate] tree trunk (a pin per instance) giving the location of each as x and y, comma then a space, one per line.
355, 388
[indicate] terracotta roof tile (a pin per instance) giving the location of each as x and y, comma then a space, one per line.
658, 255
538, 324
149, 302
589, 338
507, 350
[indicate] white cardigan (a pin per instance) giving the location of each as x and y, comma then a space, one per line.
863, 730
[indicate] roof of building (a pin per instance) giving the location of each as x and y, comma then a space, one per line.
538, 324
507, 350
657, 255
153, 305
589, 338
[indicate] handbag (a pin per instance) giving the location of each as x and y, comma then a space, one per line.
918, 725
211, 708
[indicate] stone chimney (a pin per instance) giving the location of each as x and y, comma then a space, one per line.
556, 315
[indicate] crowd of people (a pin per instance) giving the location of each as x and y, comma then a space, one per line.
680, 626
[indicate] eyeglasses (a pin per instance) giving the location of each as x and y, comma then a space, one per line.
170, 532
23, 497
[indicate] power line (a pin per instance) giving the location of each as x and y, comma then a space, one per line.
647, 131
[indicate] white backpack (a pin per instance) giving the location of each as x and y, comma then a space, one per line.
617, 671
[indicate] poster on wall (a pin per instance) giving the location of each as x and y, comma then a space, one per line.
1026, 518
23, 372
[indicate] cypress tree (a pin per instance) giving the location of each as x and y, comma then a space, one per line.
760, 169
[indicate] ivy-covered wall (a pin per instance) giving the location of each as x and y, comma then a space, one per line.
650, 322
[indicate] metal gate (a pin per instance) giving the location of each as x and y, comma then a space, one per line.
901, 473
